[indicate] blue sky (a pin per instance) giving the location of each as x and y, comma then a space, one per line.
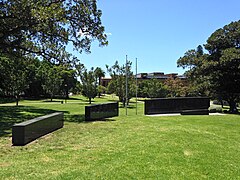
157, 32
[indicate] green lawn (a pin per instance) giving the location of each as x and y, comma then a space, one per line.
124, 147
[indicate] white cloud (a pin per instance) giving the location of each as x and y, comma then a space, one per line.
108, 34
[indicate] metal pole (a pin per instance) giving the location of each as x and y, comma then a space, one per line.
126, 96
136, 87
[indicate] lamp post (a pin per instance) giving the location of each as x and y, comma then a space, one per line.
65, 93
136, 87
126, 96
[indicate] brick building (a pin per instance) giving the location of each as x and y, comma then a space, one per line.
146, 76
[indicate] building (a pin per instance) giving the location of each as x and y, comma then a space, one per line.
146, 76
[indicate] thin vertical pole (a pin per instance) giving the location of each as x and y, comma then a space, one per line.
126, 96
136, 87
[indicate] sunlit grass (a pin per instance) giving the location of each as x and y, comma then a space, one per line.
124, 147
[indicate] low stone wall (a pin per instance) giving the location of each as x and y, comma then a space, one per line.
175, 105
101, 111
30, 130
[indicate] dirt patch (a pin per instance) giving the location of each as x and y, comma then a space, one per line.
5, 164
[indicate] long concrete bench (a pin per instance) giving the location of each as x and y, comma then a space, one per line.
30, 130
101, 111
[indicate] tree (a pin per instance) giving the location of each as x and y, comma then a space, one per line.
99, 74
220, 70
89, 84
152, 88
68, 76
225, 80
5, 70
45, 27
13, 76
176, 87
194, 61
34, 88
118, 82
52, 78
199, 51
101, 89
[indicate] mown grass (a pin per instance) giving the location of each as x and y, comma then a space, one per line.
124, 147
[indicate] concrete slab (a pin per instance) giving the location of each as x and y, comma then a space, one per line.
178, 114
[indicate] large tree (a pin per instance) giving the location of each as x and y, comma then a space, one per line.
44, 28
219, 70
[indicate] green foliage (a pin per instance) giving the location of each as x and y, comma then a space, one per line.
69, 79
101, 89
34, 88
77, 89
44, 28
89, 82
176, 88
218, 71
99, 73
14, 75
118, 82
31, 77
152, 88
52, 78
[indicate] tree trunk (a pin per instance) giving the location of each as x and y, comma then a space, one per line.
233, 107
99, 83
17, 100
67, 96
51, 97
221, 103
90, 100
128, 101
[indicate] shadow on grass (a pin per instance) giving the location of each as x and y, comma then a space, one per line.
59, 101
7, 100
129, 107
80, 118
100, 120
77, 118
10, 115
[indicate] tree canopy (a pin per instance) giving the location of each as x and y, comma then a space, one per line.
219, 70
44, 28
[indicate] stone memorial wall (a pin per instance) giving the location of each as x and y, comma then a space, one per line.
101, 111
176, 105
30, 130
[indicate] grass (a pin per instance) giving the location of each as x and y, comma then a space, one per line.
124, 147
